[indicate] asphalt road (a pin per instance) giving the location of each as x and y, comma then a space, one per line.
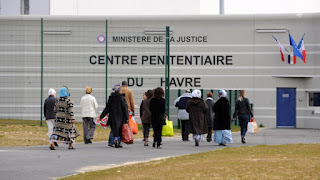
38, 162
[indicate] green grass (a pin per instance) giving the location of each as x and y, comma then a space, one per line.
30, 133
299, 161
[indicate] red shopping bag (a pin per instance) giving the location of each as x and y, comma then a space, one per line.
102, 122
127, 135
133, 125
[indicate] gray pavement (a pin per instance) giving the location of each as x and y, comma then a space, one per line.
38, 162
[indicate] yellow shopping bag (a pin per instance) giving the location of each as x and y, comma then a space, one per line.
167, 130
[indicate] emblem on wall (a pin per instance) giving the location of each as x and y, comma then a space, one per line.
101, 38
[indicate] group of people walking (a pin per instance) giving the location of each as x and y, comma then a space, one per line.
197, 116
200, 117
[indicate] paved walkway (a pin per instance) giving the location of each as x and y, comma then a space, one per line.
39, 162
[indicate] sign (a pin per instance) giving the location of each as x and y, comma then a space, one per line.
101, 38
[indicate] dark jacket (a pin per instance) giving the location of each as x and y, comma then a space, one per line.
146, 113
222, 114
141, 111
48, 108
118, 112
181, 103
197, 109
158, 110
210, 113
242, 107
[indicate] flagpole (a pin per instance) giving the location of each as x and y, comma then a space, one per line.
291, 50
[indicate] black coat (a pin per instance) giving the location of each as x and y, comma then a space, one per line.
48, 108
222, 114
117, 109
210, 113
158, 109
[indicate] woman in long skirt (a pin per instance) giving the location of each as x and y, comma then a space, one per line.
197, 108
64, 129
221, 123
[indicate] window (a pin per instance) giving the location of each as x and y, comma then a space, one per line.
314, 99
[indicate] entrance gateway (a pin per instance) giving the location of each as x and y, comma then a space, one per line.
286, 107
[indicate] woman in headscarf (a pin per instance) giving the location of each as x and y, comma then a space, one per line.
117, 109
158, 109
64, 129
221, 123
243, 110
48, 111
197, 108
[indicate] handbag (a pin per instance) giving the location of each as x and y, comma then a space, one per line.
252, 126
127, 135
167, 130
133, 125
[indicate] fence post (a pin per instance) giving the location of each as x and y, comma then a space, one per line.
179, 94
167, 72
201, 93
106, 61
41, 72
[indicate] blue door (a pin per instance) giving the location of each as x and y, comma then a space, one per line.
286, 107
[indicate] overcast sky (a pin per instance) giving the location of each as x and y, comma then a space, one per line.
180, 7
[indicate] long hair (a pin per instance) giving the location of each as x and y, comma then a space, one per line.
158, 93
241, 94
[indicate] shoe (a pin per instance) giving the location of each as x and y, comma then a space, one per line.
153, 144
71, 147
116, 143
159, 147
111, 145
243, 140
222, 144
197, 143
86, 142
52, 148
89, 141
209, 139
119, 145
146, 144
56, 144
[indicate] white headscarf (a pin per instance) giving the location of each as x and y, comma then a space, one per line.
51, 92
196, 93
222, 92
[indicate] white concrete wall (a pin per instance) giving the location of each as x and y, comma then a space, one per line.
12, 7
9, 7
129, 7
39, 7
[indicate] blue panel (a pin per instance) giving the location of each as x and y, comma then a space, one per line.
286, 107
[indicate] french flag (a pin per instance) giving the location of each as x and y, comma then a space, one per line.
302, 50
282, 49
295, 49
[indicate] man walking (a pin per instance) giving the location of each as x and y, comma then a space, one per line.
128, 96
183, 115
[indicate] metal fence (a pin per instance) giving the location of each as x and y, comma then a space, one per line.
37, 55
